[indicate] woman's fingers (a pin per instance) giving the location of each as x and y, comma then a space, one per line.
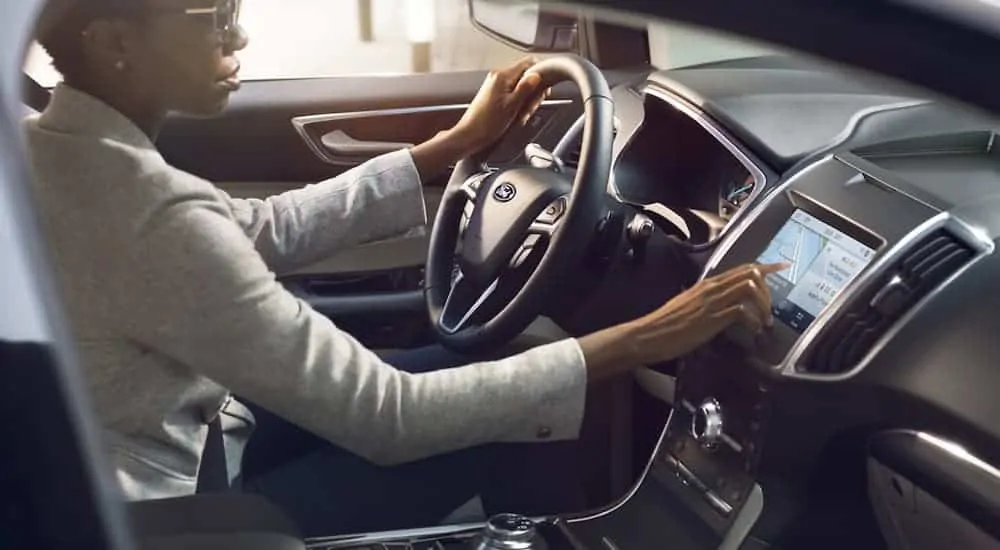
740, 313
511, 75
533, 105
752, 270
748, 293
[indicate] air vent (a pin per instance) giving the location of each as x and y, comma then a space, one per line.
922, 269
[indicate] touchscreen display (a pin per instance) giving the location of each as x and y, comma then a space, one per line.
823, 261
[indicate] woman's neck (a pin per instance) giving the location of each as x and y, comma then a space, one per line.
146, 117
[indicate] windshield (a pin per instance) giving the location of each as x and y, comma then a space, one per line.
675, 45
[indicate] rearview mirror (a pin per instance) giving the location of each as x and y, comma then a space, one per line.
525, 25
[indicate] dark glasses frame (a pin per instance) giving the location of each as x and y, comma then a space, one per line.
225, 12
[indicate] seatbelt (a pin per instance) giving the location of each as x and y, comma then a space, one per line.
213, 476
222, 460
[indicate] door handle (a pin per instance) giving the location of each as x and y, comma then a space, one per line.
341, 145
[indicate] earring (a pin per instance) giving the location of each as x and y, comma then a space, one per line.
120, 65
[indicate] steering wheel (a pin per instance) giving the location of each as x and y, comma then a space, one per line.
503, 239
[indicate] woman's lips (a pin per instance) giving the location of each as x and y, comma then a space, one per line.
231, 80
231, 83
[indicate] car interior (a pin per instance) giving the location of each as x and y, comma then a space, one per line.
866, 417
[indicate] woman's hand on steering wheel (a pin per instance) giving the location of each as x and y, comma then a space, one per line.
508, 95
686, 322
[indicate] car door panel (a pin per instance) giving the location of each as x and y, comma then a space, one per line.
348, 138
255, 140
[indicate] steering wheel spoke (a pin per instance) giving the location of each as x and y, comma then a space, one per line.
463, 302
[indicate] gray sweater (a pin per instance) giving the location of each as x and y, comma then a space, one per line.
170, 286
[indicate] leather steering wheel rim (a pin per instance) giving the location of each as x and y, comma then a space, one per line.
568, 242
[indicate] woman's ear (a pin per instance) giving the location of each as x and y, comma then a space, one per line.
109, 44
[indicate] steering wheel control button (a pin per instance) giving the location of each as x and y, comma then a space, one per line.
505, 192
544, 432
508, 532
553, 212
706, 424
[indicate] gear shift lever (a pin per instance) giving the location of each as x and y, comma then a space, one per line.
509, 532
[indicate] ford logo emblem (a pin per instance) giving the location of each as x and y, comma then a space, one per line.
504, 192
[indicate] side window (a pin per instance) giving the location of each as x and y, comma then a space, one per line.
325, 38
321, 38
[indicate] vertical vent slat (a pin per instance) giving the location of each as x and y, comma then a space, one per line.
922, 269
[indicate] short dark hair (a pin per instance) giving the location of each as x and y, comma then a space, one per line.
62, 36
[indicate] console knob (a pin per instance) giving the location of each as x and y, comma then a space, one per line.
706, 423
508, 532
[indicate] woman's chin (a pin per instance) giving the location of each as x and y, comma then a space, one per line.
210, 104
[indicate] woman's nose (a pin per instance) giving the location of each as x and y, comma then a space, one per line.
236, 38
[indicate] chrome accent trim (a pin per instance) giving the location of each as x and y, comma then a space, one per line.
710, 413
960, 453
300, 123
720, 505
362, 539
689, 479
615, 506
720, 135
726, 438
745, 520
958, 228
472, 309
508, 532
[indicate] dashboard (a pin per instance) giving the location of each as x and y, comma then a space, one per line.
886, 207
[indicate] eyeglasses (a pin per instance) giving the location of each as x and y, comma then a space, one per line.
225, 12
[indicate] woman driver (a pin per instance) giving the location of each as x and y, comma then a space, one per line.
171, 284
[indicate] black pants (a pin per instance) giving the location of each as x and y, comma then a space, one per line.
328, 490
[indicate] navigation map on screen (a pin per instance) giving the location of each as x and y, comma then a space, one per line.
823, 261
